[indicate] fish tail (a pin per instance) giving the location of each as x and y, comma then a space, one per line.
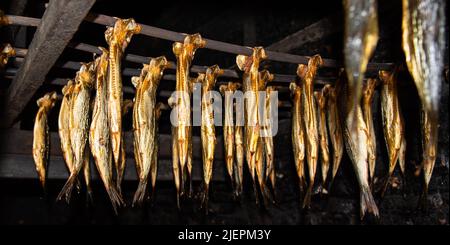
140, 193
423, 198
115, 197
307, 199
68, 187
89, 195
205, 198
368, 203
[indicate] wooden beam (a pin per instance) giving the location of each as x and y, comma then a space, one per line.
58, 25
311, 33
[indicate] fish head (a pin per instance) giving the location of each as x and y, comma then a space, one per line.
314, 63
244, 62
157, 67
301, 71
212, 73
68, 88
85, 76
8, 50
194, 40
47, 101
265, 77
109, 34
259, 54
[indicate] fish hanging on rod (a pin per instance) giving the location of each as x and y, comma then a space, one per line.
360, 41
334, 127
306, 75
6, 52
79, 123
208, 134
144, 111
356, 139
154, 166
267, 139
368, 92
229, 135
41, 137
321, 100
118, 37
182, 132
99, 133
250, 66
392, 121
423, 41
64, 129
127, 105
298, 133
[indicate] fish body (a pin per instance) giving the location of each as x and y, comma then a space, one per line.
99, 140
335, 129
298, 134
251, 84
127, 105
79, 123
360, 40
307, 74
63, 125
208, 134
184, 53
145, 130
429, 150
392, 120
368, 93
323, 134
118, 37
41, 138
355, 139
423, 41
233, 139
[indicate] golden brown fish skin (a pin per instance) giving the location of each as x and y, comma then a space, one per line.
154, 167
265, 120
355, 143
118, 38
120, 167
41, 138
184, 53
145, 113
208, 134
423, 41
229, 135
99, 140
335, 129
368, 93
63, 125
7, 51
392, 122
79, 123
321, 100
307, 74
239, 169
360, 41
250, 67
244, 63
298, 134
429, 151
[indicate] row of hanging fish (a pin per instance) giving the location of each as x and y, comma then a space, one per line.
322, 124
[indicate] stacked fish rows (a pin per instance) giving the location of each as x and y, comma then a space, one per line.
339, 113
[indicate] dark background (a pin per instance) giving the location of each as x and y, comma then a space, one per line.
249, 24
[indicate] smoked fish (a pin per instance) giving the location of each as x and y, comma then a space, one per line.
360, 41
79, 123
298, 134
208, 134
392, 120
321, 99
99, 133
182, 132
307, 74
118, 37
368, 92
7, 51
41, 138
144, 111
